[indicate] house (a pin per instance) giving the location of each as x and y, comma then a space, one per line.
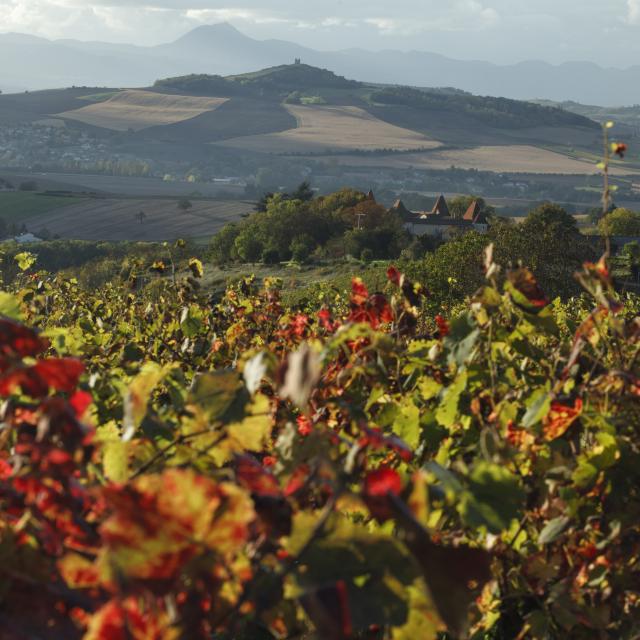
26, 238
438, 222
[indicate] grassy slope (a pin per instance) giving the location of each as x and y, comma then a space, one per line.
135, 110
299, 282
452, 127
21, 205
25, 107
625, 115
237, 117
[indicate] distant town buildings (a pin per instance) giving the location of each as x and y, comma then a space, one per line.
27, 238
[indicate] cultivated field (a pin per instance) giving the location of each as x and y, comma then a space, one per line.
324, 129
112, 219
502, 159
136, 110
80, 183
16, 207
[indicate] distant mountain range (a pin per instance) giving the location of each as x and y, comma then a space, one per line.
36, 63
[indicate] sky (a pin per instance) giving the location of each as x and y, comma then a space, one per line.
501, 31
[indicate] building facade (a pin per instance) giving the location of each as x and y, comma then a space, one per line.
438, 222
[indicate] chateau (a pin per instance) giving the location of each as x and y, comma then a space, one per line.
439, 222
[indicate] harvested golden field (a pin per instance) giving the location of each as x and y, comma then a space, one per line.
135, 109
119, 219
501, 159
323, 129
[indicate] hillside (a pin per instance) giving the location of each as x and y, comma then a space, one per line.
496, 112
622, 116
302, 110
294, 77
274, 81
223, 50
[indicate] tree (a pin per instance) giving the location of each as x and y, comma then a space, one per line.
366, 255
222, 248
632, 250
384, 242
28, 185
270, 256
454, 270
304, 192
621, 222
631, 254
549, 243
263, 202
458, 206
595, 213
301, 248
248, 247
551, 217
368, 215
293, 98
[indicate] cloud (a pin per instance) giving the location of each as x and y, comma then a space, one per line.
43, 16
229, 15
464, 15
633, 14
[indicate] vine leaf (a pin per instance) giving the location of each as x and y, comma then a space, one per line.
453, 575
301, 375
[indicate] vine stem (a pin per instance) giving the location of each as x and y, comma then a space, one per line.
181, 439
606, 194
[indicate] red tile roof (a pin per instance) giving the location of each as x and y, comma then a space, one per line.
472, 212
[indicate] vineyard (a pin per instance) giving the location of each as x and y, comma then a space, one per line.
177, 466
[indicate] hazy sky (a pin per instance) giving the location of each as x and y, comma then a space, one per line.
503, 31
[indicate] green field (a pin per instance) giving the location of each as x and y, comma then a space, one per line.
21, 205
99, 97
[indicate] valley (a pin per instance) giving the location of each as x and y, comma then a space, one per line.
223, 141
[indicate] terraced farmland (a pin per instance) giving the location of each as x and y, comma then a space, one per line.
136, 110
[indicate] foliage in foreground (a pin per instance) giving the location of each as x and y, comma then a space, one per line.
174, 470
